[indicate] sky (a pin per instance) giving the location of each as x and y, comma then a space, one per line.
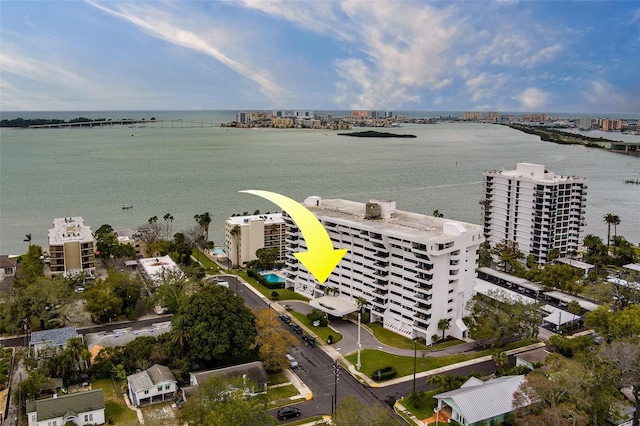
544, 56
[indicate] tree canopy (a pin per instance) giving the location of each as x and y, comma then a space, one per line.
220, 325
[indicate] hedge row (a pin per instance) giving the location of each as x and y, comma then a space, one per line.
385, 373
256, 276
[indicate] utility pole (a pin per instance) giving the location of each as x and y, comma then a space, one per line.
336, 377
358, 365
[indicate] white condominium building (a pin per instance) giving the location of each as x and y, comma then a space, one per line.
537, 209
71, 247
244, 235
413, 270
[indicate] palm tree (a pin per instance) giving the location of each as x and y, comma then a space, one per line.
616, 222
235, 232
204, 220
591, 242
500, 358
444, 325
27, 239
610, 219
436, 213
168, 218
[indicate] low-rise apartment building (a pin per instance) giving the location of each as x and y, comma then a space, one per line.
244, 235
412, 269
71, 247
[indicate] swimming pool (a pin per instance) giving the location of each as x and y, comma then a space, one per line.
218, 251
273, 278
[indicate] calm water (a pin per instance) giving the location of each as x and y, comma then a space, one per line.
187, 171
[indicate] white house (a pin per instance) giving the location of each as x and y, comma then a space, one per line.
153, 385
477, 402
81, 408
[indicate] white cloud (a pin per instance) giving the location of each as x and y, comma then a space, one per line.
532, 99
161, 25
603, 97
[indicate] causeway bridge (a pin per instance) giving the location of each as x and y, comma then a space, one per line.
128, 123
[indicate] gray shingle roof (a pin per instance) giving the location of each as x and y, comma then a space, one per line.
485, 400
79, 402
57, 336
150, 377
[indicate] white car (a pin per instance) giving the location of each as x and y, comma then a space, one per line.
292, 361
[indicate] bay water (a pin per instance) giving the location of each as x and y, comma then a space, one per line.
184, 171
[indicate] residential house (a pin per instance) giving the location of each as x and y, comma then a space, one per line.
80, 408
7, 267
252, 370
532, 358
151, 386
478, 402
45, 342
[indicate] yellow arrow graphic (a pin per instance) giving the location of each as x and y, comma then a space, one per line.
321, 258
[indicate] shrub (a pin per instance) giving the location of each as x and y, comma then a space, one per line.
318, 315
256, 276
275, 295
385, 373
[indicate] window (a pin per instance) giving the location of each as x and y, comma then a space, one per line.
146, 392
52, 423
167, 386
88, 417
159, 388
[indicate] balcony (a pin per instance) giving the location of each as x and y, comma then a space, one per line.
423, 276
424, 286
381, 254
421, 325
423, 306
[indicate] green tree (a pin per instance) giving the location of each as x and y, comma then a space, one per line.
615, 325
553, 254
267, 256
484, 255
204, 220
272, 341
106, 241
624, 356
351, 412
221, 401
574, 308
509, 255
436, 213
501, 359
168, 218
102, 302
27, 239
32, 386
444, 325
30, 266
126, 288
219, 323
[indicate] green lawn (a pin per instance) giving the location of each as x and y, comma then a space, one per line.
373, 360
322, 332
426, 410
281, 392
115, 410
396, 340
283, 294
208, 264
277, 379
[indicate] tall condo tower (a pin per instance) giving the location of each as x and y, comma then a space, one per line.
537, 209
413, 270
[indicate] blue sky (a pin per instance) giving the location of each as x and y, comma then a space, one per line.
548, 56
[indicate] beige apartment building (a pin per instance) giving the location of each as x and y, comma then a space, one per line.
71, 247
244, 235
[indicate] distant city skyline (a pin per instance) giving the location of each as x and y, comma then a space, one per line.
573, 57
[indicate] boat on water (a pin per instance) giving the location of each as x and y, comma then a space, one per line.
127, 206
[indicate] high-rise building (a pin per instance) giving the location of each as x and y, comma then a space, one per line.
585, 123
413, 270
244, 235
472, 115
71, 247
611, 125
537, 209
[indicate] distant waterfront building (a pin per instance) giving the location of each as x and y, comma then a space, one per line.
493, 116
254, 232
537, 209
472, 116
243, 117
71, 247
360, 114
609, 125
133, 239
413, 270
585, 123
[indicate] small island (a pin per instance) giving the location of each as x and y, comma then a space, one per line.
375, 134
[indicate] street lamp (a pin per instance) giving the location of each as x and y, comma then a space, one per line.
415, 342
358, 365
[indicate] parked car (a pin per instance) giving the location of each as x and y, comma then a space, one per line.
297, 328
286, 412
292, 361
285, 318
310, 340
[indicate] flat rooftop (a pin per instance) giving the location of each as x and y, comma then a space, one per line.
400, 223
69, 229
269, 219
